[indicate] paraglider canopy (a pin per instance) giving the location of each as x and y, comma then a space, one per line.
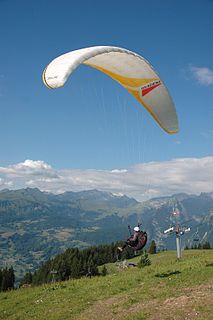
131, 70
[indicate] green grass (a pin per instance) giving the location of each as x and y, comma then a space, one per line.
122, 293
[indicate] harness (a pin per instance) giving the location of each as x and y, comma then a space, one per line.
140, 242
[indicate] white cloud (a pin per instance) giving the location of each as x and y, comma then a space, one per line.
203, 75
5, 184
142, 181
28, 168
33, 164
119, 170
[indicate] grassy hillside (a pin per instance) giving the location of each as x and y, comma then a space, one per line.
168, 289
35, 225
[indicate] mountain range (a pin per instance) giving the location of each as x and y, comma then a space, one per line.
36, 225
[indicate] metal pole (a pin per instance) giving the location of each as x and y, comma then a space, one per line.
179, 231
178, 245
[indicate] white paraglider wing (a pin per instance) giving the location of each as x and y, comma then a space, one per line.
132, 71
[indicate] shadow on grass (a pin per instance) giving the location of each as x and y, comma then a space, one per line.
167, 274
209, 264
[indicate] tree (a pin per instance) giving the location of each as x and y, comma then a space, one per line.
153, 247
11, 276
93, 267
75, 268
27, 279
206, 245
1, 278
7, 279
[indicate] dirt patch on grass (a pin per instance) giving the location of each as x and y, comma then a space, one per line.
190, 303
194, 303
105, 309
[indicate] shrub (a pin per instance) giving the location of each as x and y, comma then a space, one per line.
144, 260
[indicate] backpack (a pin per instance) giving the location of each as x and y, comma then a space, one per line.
142, 240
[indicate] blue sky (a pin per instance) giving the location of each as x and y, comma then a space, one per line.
93, 124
